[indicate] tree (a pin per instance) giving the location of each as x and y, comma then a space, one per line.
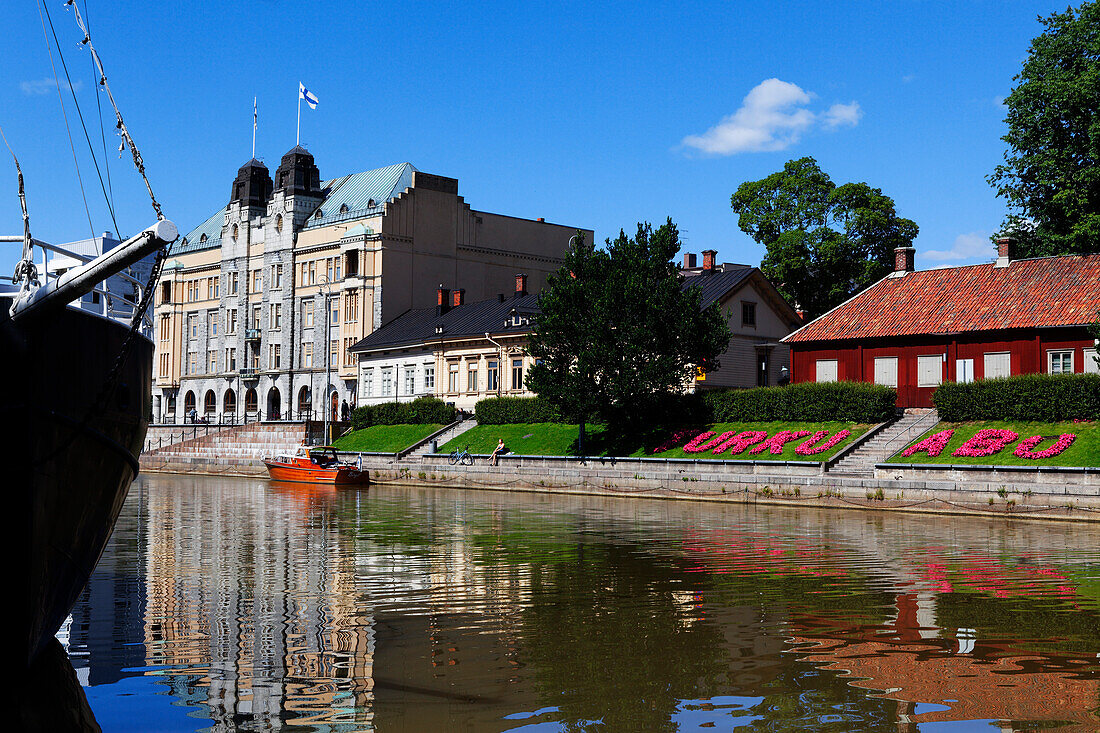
824, 242
1051, 174
618, 332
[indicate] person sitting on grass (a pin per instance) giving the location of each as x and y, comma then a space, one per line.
497, 451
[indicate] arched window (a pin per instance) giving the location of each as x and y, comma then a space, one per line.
305, 400
319, 214
343, 208
370, 203
209, 403
250, 401
274, 404
279, 222
189, 402
229, 402
172, 404
202, 238
235, 232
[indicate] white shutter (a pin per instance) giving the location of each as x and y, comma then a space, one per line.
929, 370
1091, 366
826, 370
998, 365
886, 371
964, 370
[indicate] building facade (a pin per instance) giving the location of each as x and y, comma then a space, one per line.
257, 307
915, 330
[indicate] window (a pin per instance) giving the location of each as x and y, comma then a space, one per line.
492, 376
231, 359
256, 317
257, 281
212, 318
307, 314
997, 365
279, 223
274, 361
886, 371
166, 293
333, 351
250, 401
349, 357
929, 370
336, 263
192, 362
410, 379
215, 287
429, 377
164, 326
964, 370
163, 371
231, 320
368, 382
212, 361
387, 381
276, 316
254, 359
307, 354
748, 314
517, 373
1060, 362
1092, 361
471, 377
192, 325
351, 263
351, 306
335, 305
826, 370
452, 377
312, 272
233, 283
236, 231
276, 276
328, 268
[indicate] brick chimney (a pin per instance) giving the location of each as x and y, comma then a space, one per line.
458, 297
441, 304
708, 260
1006, 250
903, 260
689, 260
521, 284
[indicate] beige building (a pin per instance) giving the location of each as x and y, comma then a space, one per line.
260, 302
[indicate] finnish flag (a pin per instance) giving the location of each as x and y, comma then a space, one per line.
307, 95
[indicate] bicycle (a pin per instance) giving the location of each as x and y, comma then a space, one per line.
462, 456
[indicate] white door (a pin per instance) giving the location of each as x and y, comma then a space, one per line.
997, 365
886, 371
964, 370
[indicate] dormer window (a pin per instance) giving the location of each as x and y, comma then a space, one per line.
202, 239
343, 208
319, 214
370, 203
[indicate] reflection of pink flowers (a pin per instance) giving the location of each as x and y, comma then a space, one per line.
676, 439
933, 445
807, 448
986, 442
740, 442
692, 446
1026, 448
775, 443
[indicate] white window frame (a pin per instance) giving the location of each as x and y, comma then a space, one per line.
925, 365
822, 369
429, 377
1060, 353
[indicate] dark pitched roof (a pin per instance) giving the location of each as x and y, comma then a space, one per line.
1035, 293
418, 325
718, 283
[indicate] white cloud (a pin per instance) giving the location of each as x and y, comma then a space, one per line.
773, 116
971, 246
842, 114
38, 87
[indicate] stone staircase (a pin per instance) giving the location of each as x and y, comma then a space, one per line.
887, 442
454, 432
241, 444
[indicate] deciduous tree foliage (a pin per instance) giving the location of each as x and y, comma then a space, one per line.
618, 332
1051, 174
824, 242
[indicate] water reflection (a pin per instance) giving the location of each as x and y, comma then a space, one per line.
231, 604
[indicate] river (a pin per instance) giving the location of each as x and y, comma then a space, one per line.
235, 604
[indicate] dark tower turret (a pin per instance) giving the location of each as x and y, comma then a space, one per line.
298, 174
252, 186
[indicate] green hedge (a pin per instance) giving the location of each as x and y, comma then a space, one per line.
512, 410
420, 411
846, 401
1040, 397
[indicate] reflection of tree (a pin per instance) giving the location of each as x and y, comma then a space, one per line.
803, 698
1066, 630
611, 642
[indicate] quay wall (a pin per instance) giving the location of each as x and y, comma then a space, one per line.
1072, 494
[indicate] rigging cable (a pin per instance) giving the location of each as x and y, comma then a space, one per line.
25, 271
80, 115
103, 140
65, 116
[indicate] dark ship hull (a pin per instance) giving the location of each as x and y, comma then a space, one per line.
76, 428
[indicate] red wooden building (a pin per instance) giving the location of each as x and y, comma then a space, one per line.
916, 330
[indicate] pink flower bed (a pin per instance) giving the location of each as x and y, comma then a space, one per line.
933, 445
676, 439
1026, 448
692, 446
740, 442
775, 443
985, 443
811, 447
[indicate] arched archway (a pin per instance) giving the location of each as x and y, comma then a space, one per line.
188, 405
334, 404
274, 404
229, 403
305, 402
209, 403
251, 402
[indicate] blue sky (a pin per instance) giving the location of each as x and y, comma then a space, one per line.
595, 115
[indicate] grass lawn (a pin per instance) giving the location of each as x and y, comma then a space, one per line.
560, 439
385, 438
1085, 451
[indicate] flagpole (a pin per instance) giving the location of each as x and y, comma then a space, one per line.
298, 134
254, 128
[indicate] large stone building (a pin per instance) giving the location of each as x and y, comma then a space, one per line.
245, 299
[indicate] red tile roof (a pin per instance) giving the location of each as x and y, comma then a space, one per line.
1036, 293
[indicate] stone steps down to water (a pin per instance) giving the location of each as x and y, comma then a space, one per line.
891, 439
252, 441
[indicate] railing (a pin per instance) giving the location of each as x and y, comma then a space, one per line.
314, 222
203, 424
248, 372
926, 421
252, 334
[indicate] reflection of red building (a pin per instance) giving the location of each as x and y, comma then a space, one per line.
989, 682
916, 330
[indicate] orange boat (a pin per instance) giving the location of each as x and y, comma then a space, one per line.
316, 465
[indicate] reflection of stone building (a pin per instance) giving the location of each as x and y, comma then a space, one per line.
246, 297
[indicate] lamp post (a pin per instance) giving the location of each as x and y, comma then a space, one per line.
326, 291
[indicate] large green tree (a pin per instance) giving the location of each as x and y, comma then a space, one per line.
824, 242
1051, 174
618, 332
